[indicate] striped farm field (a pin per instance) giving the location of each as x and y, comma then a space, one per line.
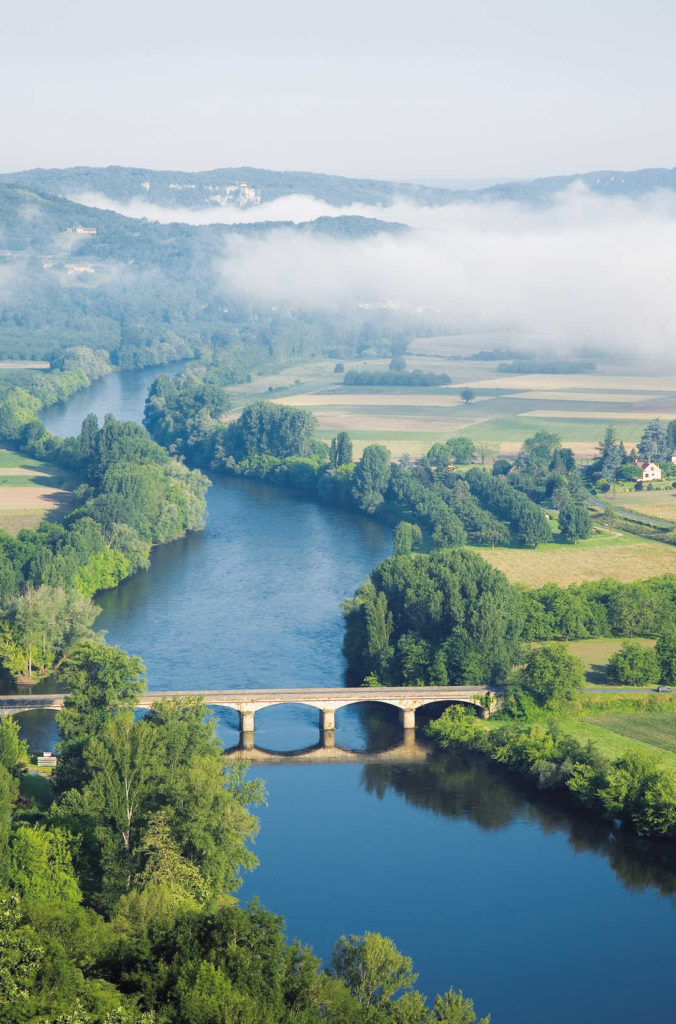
613, 743
29, 491
605, 415
589, 429
588, 396
365, 397
575, 381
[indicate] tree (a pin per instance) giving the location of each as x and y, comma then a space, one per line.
265, 428
574, 521
654, 445
123, 764
454, 1008
462, 449
665, 649
550, 674
610, 453
103, 682
13, 751
467, 395
397, 364
371, 476
20, 957
340, 453
44, 624
372, 967
405, 537
42, 866
634, 665
88, 439
671, 436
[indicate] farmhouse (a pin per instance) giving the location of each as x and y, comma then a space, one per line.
649, 471
673, 457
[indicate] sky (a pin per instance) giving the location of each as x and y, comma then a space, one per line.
493, 89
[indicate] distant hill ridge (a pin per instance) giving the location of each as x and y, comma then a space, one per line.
247, 186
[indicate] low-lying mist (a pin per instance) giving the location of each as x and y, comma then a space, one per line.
585, 271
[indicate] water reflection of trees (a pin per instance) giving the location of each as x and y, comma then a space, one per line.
464, 785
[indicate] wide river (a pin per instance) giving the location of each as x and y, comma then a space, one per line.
542, 917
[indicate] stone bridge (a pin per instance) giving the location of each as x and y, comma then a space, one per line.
407, 699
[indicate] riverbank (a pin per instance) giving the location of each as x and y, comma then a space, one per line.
614, 756
467, 869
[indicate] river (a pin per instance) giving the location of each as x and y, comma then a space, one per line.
542, 917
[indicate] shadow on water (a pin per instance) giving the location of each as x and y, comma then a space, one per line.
463, 785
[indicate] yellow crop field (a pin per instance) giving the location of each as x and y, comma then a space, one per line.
625, 558
355, 399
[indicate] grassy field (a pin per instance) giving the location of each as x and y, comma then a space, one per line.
656, 730
30, 491
624, 557
23, 364
643, 732
596, 653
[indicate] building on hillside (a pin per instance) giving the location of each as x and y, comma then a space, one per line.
673, 457
649, 471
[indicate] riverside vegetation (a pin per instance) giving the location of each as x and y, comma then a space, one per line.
118, 875
133, 495
117, 882
432, 618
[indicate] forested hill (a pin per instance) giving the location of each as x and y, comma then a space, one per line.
30, 219
146, 292
211, 188
247, 186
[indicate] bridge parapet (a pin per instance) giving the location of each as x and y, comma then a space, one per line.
326, 700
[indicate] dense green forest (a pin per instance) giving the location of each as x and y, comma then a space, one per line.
25, 393
117, 881
449, 618
278, 444
149, 292
395, 378
133, 495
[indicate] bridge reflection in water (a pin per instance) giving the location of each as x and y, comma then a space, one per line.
410, 751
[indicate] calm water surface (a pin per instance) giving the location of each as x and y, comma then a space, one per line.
542, 917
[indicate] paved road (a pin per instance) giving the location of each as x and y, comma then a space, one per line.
626, 514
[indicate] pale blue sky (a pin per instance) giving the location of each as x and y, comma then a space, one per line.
432, 89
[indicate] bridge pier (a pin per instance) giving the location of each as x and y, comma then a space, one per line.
247, 741
327, 720
246, 722
410, 742
407, 717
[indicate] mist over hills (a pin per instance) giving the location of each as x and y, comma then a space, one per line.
245, 186
148, 292
277, 265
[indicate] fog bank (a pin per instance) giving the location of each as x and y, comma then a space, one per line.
587, 270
